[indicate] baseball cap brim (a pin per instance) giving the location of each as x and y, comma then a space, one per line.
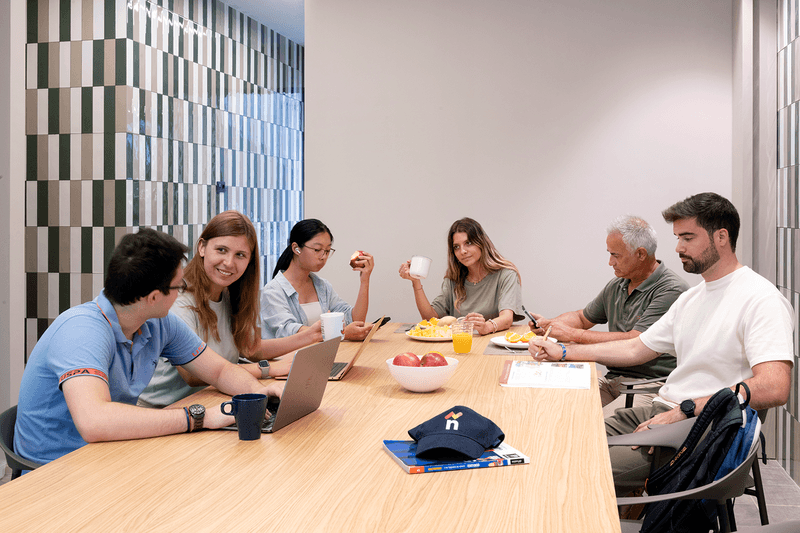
447, 443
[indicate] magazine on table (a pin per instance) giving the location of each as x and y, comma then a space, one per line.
404, 452
536, 374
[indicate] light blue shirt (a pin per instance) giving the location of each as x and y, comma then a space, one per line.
281, 314
88, 340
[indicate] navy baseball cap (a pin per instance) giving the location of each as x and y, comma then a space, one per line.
459, 429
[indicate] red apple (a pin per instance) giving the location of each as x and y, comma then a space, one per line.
354, 258
406, 359
433, 359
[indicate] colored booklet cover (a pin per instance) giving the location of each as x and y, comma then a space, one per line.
404, 452
543, 375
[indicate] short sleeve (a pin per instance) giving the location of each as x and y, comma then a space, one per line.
659, 337
443, 305
509, 293
83, 345
595, 311
182, 344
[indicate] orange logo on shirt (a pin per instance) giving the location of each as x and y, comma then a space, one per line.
82, 372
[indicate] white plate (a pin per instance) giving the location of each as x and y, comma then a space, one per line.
501, 341
428, 339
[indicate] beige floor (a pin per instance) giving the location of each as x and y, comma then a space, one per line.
783, 498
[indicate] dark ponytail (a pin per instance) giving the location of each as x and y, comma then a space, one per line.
301, 233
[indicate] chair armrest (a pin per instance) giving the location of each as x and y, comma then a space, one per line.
642, 390
641, 382
670, 435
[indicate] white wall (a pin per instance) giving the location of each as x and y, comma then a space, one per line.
543, 120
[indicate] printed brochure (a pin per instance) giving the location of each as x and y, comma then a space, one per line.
404, 452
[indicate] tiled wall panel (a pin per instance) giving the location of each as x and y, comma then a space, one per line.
135, 112
788, 213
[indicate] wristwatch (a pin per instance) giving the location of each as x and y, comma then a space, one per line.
198, 413
264, 369
687, 406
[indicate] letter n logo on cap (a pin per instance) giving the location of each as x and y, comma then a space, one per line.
452, 423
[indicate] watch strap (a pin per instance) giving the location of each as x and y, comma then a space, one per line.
688, 407
198, 415
264, 369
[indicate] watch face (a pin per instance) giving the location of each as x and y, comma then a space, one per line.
263, 364
197, 410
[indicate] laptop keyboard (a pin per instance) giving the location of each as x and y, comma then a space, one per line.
337, 367
272, 408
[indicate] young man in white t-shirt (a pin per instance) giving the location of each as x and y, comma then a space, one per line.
734, 326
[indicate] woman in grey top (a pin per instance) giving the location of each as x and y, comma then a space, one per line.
220, 304
480, 284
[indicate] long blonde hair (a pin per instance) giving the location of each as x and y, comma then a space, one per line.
244, 292
491, 260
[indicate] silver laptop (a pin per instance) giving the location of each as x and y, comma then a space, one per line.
340, 369
304, 387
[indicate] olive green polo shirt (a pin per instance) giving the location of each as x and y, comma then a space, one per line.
638, 311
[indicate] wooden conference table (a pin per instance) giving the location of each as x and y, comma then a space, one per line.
328, 471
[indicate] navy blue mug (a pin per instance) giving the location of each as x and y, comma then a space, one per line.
249, 411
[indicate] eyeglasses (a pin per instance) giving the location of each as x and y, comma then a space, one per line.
321, 252
180, 288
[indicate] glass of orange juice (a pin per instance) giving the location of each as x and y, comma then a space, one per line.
462, 336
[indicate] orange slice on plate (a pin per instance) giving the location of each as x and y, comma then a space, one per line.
514, 337
528, 336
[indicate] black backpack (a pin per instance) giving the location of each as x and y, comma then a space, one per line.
698, 463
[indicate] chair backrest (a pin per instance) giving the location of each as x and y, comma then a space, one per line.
730, 486
17, 463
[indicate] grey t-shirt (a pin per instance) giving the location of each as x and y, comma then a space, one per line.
497, 291
638, 311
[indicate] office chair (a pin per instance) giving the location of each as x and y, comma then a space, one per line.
756, 488
669, 438
16, 462
636, 387
722, 491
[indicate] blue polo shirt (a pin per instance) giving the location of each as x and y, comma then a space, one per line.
88, 340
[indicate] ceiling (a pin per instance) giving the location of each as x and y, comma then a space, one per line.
287, 17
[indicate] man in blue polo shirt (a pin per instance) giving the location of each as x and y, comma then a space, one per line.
86, 372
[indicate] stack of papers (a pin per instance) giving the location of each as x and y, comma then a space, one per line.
546, 375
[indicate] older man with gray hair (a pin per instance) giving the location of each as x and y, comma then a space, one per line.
642, 291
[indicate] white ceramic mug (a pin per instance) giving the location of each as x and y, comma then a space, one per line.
332, 325
419, 267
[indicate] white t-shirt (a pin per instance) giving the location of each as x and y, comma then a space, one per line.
312, 310
718, 331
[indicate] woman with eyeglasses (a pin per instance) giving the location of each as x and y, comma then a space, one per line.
219, 301
479, 284
297, 296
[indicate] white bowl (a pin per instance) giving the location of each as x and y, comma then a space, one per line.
422, 378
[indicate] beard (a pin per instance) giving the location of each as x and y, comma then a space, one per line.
703, 263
